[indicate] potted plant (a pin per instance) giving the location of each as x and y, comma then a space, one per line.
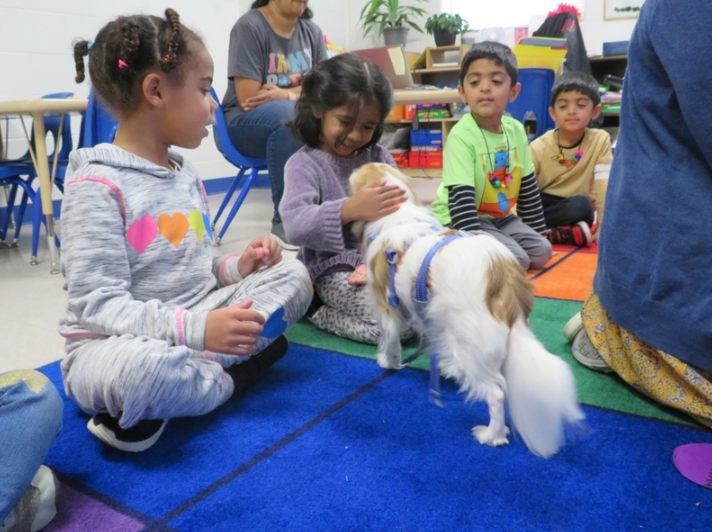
445, 27
391, 18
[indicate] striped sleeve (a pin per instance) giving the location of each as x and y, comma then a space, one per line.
529, 204
463, 210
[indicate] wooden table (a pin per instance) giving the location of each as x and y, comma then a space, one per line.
38, 108
416, 96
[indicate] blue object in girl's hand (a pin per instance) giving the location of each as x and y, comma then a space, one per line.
275, 325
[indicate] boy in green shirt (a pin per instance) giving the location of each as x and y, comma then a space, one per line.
488, 176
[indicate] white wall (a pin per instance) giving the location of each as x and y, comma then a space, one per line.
596, 31
36, 39
416, 41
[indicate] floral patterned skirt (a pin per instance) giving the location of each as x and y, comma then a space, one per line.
655, 373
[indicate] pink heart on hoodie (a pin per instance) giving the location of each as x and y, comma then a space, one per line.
142, 232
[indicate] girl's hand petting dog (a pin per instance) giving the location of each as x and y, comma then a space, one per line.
373, 202
359, 275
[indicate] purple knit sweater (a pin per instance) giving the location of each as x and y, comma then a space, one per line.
315, 187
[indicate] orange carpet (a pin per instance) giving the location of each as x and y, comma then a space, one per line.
568, 275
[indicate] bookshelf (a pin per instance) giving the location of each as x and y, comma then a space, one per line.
435, 66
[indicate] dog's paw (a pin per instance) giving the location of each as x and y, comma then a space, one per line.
388, 362
486, 436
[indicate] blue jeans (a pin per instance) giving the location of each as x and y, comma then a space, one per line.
30, 419
261, 132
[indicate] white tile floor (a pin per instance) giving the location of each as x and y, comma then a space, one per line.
32, 300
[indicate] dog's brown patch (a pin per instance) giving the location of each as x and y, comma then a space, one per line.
380, 275
509, 293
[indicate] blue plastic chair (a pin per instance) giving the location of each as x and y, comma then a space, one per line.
12, 170
235, 158
535, 98
98, 125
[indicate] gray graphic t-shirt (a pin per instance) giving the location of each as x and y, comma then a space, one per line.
257, 52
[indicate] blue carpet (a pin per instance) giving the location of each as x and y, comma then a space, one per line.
331, 442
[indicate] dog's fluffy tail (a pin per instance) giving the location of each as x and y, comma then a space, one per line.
541, 392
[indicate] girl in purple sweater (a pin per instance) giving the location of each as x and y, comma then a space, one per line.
339, 117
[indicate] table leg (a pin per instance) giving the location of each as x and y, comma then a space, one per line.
42, 168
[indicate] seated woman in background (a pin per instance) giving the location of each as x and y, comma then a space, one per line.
271, 47
649, 317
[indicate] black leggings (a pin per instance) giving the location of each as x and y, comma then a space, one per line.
566, 211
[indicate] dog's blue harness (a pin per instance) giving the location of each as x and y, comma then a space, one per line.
420, 299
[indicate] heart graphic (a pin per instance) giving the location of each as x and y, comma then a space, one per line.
142, 232
275, 325
206, 224
173, 228
196, 222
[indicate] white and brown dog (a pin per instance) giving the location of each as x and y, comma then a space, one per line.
476, 317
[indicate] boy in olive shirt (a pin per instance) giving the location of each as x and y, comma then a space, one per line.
572, 162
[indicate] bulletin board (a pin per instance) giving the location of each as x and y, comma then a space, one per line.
621, 9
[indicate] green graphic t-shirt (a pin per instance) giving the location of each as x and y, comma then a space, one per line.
493, 163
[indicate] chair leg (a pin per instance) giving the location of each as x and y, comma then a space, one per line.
37, 222
228, 196
23, 205
20, 216
36, 225
9, 212
243, 193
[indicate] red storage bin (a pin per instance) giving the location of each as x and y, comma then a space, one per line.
425, 159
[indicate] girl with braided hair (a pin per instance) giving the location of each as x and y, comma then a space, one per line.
155, 326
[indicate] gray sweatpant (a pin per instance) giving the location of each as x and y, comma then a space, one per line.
531, 249
137, 378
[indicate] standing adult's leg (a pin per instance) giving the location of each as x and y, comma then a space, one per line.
261, 132
30, 419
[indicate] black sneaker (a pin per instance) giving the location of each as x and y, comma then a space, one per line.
575, 235
250, 372
134, 439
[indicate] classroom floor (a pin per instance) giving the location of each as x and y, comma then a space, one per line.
32, 300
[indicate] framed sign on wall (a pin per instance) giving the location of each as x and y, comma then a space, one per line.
621, 9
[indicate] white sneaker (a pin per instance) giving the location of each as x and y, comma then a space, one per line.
573, 326
38, 504
586, 354
281, 237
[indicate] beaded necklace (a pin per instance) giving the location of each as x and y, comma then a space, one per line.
498, 177
573, 159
